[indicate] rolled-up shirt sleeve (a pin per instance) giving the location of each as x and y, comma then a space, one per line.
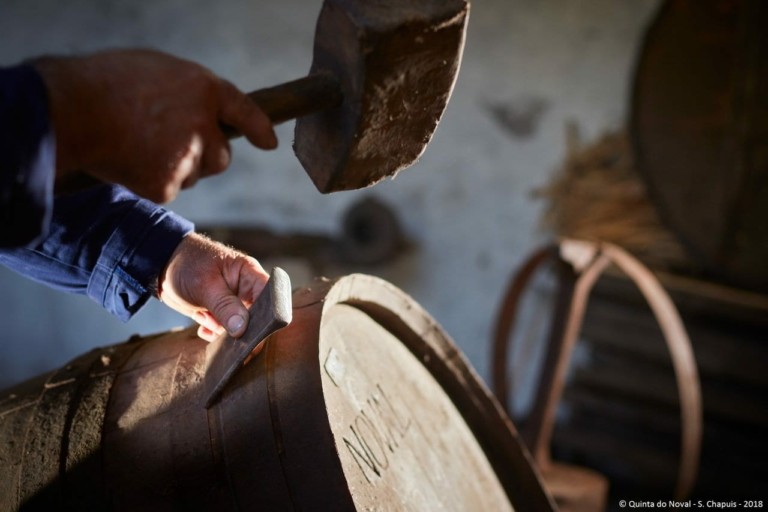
105, 243
27, 165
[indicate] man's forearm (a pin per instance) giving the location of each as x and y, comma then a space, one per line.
105, 243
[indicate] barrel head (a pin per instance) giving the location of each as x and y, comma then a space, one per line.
397, 63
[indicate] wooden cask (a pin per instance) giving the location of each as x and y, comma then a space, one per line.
362, 403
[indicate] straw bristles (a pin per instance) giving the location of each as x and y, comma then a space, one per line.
597, 195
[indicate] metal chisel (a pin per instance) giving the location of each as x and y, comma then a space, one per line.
271, 311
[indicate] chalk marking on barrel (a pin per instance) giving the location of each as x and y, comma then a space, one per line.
334, 367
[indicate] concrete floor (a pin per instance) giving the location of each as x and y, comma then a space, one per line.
529, 69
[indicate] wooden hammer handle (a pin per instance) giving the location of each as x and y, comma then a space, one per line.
295, 99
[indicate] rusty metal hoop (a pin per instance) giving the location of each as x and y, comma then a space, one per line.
582, 263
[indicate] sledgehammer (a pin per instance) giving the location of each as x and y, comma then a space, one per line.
381, 76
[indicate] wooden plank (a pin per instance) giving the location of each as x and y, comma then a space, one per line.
630, 378
719, 352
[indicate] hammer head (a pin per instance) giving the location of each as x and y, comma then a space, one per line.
396, 61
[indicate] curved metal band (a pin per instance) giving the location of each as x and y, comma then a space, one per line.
586, 261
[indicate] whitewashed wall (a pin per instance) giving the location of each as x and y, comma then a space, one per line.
466, 204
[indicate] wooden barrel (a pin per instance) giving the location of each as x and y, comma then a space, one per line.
699, 124
362, 403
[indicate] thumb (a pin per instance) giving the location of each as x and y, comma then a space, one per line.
229, 311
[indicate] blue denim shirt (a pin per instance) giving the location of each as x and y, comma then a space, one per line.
103, 242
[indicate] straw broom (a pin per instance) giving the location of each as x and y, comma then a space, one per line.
598, 195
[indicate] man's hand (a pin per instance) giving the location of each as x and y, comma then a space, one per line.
145, 119
212, 284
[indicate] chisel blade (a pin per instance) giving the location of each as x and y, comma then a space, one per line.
271, 311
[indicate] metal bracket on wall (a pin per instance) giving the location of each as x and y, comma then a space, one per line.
370, 234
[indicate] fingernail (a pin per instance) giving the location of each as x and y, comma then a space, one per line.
234, 324
272, 140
